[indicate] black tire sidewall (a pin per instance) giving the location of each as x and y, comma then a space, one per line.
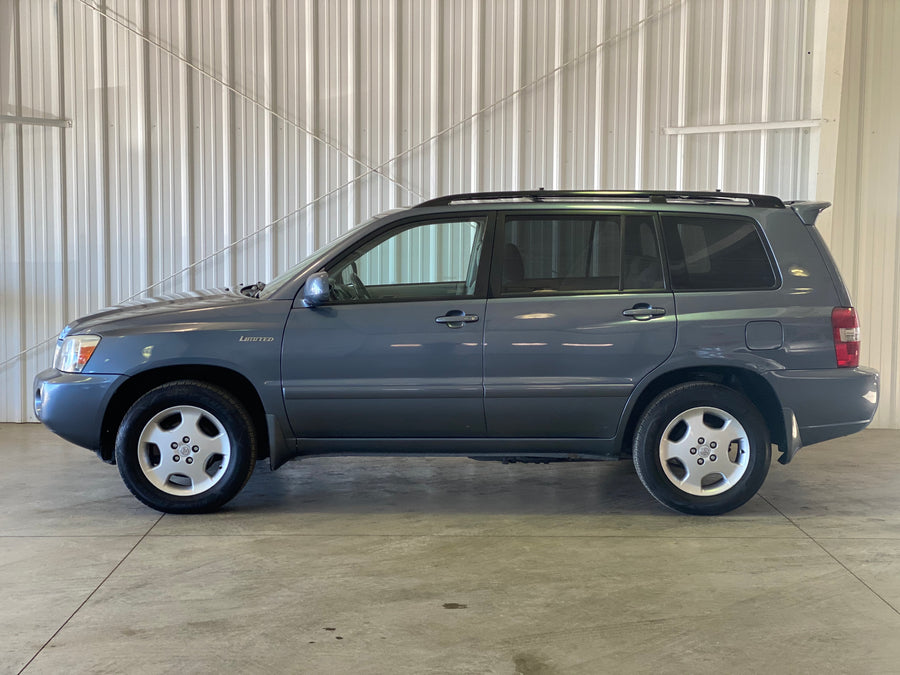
234, 419
666, 407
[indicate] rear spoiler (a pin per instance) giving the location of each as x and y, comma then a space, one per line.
808, 211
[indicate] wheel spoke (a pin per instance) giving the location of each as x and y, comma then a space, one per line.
217, 445
693, 480
680, 448
732, 470
694, 420
676, 449
210, 449
190, 423
195, 471
159, 475
158, 436
728, 422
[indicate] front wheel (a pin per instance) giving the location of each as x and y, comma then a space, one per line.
186, 447
702, 448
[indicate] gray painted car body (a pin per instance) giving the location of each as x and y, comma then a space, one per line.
561, 376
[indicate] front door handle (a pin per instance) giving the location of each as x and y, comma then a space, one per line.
644, 312
456, 318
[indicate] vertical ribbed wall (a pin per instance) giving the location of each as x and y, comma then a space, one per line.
865, 236
213, 143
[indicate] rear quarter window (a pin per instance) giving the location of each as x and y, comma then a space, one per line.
716, 253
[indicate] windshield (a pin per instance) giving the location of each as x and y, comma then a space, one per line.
283, 278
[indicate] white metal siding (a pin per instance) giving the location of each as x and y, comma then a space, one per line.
865, 235
214, 143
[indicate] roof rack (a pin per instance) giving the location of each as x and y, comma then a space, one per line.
654, 197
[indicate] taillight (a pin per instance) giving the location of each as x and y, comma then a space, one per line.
845, 326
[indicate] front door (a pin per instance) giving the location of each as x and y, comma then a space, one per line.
397, 352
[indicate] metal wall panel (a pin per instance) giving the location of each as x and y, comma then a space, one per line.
865, 231
214, 142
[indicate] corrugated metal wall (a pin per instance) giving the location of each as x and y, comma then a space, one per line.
213, 143
865, 234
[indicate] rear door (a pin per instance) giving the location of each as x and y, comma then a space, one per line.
578, 314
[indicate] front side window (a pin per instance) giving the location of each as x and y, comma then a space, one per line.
579, 254
716, 253
419, 261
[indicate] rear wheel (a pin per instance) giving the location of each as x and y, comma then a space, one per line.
702, 448
186, 447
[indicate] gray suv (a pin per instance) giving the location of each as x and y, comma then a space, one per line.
691, 331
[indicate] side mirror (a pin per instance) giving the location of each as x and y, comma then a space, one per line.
316, 290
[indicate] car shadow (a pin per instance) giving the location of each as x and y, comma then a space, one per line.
445, 486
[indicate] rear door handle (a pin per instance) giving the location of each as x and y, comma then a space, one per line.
455, 318
644, 312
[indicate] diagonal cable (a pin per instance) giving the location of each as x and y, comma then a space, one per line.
417, 146
246, 97
551, 73
369, 170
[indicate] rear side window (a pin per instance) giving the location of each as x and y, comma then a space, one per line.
579, 254
716, 253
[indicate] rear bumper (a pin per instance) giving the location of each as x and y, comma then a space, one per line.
72, 405
827, 403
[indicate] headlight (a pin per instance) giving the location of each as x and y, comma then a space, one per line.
74, 353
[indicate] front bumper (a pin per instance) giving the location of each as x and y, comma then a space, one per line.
827, 403
72, 405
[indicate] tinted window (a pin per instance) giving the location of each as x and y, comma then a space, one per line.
571, 254
715, 253
641, 266
413, 262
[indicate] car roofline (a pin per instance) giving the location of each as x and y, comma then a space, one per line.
610, 196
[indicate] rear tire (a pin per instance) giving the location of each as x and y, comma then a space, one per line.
186, 447
702, 449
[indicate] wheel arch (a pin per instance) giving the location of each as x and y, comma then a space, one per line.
136, 386
747, 382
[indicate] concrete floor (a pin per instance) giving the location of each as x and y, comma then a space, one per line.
449, 566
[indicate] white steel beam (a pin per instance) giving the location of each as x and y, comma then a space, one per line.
750, 126
829, 42
36, 121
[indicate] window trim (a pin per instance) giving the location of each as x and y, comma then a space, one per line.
767, 249
384, 233
496, 280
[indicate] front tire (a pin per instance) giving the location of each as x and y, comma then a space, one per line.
186, 447
702, 449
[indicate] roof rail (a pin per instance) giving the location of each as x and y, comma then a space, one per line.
654, 197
